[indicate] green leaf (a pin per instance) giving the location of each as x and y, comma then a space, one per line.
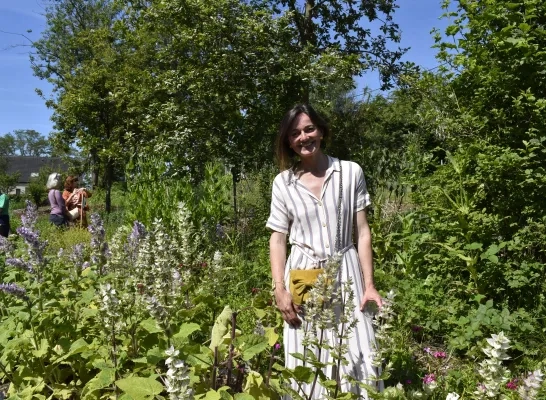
220, 327
253, 345
186, 330
140, 388
272, 336
303, 374
150, 325
103, 379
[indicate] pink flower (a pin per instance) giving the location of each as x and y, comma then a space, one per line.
427, 350
513, 384
277, 346
439, 354
428, 379
416, 328
408, 381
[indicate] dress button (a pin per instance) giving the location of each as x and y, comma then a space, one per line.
327, 246
324, 224
320, 203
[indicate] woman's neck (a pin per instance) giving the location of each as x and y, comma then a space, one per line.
316, 164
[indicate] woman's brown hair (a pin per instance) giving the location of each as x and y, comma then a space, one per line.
285, 155
69, 182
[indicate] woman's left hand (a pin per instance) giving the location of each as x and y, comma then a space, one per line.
371, 294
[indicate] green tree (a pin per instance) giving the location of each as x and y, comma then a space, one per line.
80, 54
339, 33
25, 142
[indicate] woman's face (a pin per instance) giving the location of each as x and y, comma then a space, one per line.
304, 137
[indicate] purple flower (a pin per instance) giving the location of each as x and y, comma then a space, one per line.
416, 328
77, 254
14, 290
5, 245
137, 234
408, 381
439, 354
29, 236
98, 243
35, 247
277, 346
18, 263
220, 234
429, 378
29, 217
427, 350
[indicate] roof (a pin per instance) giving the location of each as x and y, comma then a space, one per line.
28, 165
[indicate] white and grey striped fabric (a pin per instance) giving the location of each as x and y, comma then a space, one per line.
311, 224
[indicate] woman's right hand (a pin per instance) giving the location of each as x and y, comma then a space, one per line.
288, 309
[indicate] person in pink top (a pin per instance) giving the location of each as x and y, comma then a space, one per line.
59, 214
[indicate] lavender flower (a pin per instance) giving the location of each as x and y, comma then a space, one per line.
14, 290
6, 246
100, 250
29, 236
77, 254
138, 233
29, 217
35, 248
21, 264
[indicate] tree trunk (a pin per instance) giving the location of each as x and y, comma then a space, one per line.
108, 178
307, 38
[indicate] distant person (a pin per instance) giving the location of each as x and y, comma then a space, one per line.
76, 197
59, 214
4, 215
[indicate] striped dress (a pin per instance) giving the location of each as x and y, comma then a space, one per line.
311, 224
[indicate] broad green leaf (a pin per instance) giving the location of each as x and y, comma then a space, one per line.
303, 374
220, 327
150, 325
140, 388
252, 345
186, 330
103, 379
272, 336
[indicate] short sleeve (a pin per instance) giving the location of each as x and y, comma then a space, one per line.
362, 196
278, 220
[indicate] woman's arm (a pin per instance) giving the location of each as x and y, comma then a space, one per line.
283, 298
364, 247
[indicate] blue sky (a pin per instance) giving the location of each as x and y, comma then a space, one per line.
21, 108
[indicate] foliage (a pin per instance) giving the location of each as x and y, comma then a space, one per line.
24, 142
36, 189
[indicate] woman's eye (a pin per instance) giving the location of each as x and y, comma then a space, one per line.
309, 129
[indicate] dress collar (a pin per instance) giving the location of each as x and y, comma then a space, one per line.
333, 165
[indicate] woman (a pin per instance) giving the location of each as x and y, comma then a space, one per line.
76, 198
4, 215
59, 215
304, 206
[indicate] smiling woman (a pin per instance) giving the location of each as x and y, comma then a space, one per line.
317, 200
